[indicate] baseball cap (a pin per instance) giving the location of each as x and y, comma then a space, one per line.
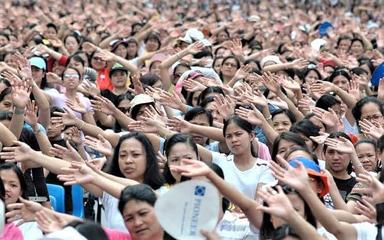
313, 170
117, 67
38, 62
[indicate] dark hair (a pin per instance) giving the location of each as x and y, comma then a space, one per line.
356, 110
169, 143
327, 101
287, 112
73, 68
149, 79
76, 57
139, 192
136, 108
366, 61
196, 111
216, 59
2, 190
267, 91
52, 25
19, 174
209, 90
75, 36
152, 175
336, 135
307, 128
293, 149
341, 38
206, 100
358, 71
155, 37
308, 70
267, 229
5, 92
89, 230
225, 59
5, 35
357, 40
287, 136
339, 72
243, 124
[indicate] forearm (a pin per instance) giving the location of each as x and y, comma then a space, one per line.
345, 97
111, 184
43, 105
291, 106
210, 132
357, 165
131, 68
6, 137
302, 227
277, 67
88, 118
168, 62
43, 141
269, 132
17, 122
105, 42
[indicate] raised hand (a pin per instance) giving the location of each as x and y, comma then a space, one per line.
20, 152
20, 95
373, 188
104, 105
370, 129
31, 114
193, 86
53, 78
226, 105
76, 105
140, 126
171, 100
192, 168
90, 88
99, 144
236, 47
77, 173
299, 63
66, 153
47, 222
291, 84
365, 208
296, 178
253, 116
279, 204
321, 138
341, 145
270, 81
329, 118
179, 125
243, 72
195, 48
67, 118
24, 211
137, 85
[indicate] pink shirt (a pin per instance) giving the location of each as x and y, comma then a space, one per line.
11, 232
117, 235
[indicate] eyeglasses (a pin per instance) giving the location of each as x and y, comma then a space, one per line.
74, 76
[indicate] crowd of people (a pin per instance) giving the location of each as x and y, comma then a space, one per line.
277, 104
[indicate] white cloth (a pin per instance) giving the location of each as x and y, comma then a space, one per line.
111, 217
232, 227
245, 181
325, 234
366, 231
30, 230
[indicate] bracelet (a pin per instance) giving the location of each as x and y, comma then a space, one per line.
268, 118
19, 111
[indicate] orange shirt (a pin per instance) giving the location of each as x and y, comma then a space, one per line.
103, 81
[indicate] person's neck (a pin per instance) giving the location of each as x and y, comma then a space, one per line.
244, 160
71, 94
343, 175
226, 79
119, 91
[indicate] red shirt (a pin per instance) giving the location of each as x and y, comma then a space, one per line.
103, 81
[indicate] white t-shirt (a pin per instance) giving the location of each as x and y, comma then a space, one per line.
367, 231
245, 181
30, 230
325, 234
232, 227
111, 217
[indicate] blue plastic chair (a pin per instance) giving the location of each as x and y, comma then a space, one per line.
58, 193
52, 200
77, 201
